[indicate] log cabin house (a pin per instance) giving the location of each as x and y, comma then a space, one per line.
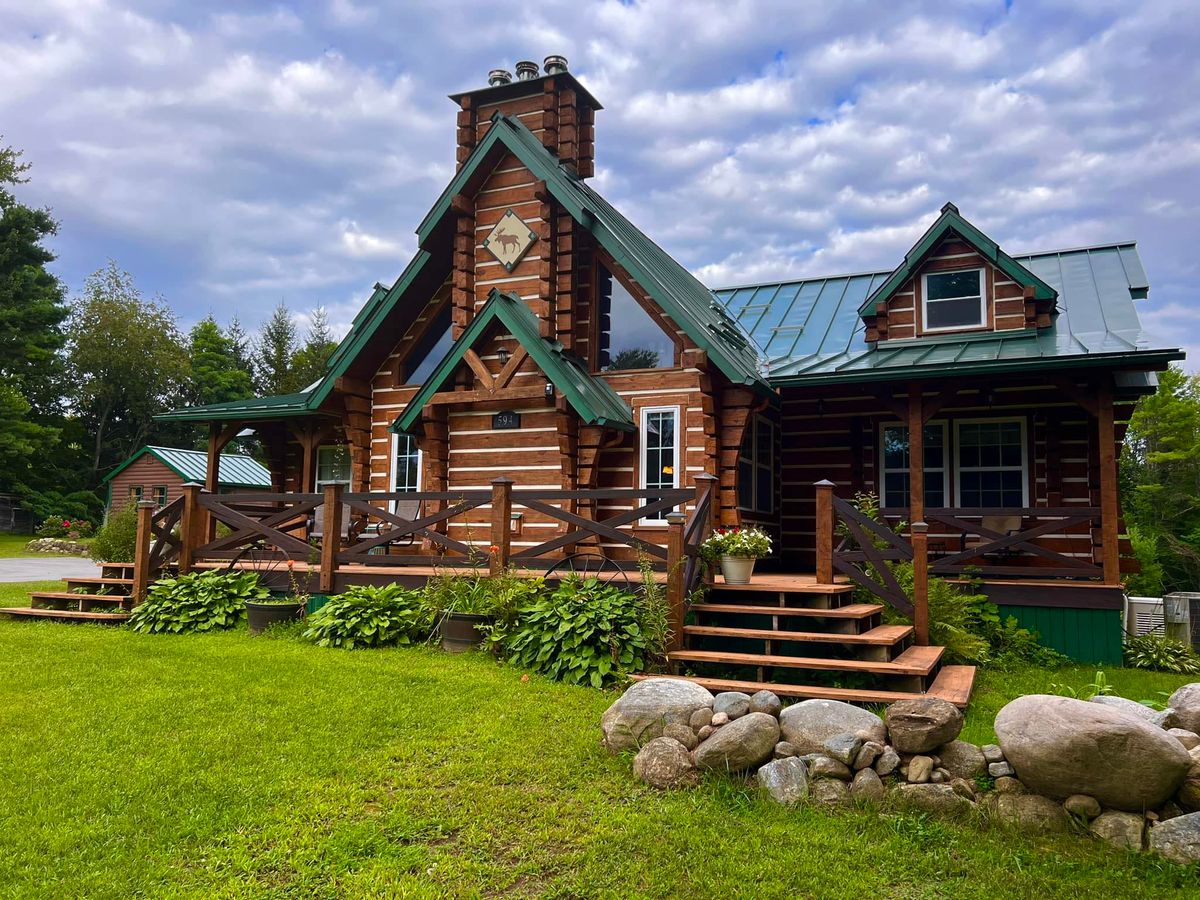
542, 364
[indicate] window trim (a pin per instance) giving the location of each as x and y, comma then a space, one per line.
165, 495
757, 465
318, 484
395, 470
137, 492
926, 328
643, 415
947, 481
993, 420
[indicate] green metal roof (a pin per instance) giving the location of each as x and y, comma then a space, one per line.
235, 470
952, 221
276, 407
811, 330
591, 397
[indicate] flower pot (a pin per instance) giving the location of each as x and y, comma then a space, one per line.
260, 616
460, 631
737, 569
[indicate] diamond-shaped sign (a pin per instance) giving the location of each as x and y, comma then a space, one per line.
510, 240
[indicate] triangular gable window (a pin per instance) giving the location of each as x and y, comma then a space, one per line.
627, 335
434, 345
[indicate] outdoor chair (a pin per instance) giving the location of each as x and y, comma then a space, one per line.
1006, 525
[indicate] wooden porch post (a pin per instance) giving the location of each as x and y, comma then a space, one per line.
916, 453
141, 551
331, 540
218, 439
189, 527
824, 529
1109, 507
675, 586
706, 486
501, 524
919, 534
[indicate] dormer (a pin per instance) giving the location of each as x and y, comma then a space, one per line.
956, 280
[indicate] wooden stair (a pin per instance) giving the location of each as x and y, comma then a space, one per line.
103, 599
790, 635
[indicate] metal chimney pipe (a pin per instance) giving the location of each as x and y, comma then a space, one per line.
554, 65
499, 76
527, 70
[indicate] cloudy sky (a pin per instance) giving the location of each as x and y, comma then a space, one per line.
232, 155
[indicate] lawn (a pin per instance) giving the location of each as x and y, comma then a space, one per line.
228, 766
14, 545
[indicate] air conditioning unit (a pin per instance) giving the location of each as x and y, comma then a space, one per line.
1171, 616
1144, 615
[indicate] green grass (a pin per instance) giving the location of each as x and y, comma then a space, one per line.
14, 545
228, 766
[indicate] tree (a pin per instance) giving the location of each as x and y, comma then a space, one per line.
634, 358
276, 347
216, 374
310, 361
242, 346
127, 361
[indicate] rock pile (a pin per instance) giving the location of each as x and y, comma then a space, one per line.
1131, 776
56, 545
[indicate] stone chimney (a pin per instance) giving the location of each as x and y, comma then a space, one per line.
550, 103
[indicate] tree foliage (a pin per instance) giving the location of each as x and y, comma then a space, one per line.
276, 346
218, 374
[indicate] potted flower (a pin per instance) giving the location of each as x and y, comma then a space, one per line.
737, 548
264, 611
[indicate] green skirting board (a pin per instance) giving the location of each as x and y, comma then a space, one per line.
1085, 635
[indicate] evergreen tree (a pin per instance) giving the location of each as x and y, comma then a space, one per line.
242, 346
310, 361
216, 376
276, 347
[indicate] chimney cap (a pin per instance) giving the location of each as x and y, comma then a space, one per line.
499, 76
554, 65
527, 70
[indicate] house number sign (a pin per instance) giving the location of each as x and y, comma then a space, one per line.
506, 419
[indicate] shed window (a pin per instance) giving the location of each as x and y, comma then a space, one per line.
756, 467
895, 465
660, 452
333, 465
953, 300
135, 492
991, 463
160, 495
627, 337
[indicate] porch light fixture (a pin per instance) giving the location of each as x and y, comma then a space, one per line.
549, 391
514, 521
502, 355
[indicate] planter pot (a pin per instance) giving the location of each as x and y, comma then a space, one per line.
260, 616
460, 631
737, 569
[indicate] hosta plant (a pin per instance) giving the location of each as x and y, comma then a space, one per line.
371, 616
1153, 651
198, 601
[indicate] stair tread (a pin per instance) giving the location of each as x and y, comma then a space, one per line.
69, 595
907, 663
851, 611
797, 691
954, 683
96, 579
794, 584
62, 614
882, 635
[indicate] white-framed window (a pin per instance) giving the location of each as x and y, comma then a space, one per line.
660, 453
991, 463
894, 466
333, 465
951, 300
406, 463
756, 467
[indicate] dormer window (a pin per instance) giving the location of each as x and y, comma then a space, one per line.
953, 300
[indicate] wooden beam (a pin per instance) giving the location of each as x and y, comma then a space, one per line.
471, 358
824, 531
935, 405
676, 599
919, 534
510, 367
893, 404
916, 453
501, 525
347, 385
1109, 506
445, 397
1080, 397
141, 551
331, 540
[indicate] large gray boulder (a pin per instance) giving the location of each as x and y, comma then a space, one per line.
665, 763
1121, 829
785, 780
811, 723
734, 704
642, 712
1031, 813
918, 726
962, 759
1141, 710
742, 744
1186, 705
1178, 839
1060, 746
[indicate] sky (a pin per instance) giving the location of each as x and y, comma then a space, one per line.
235, 155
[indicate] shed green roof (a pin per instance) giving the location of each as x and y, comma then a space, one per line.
236, 470
811, 332
591, 397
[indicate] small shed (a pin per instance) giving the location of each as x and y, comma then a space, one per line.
159, 474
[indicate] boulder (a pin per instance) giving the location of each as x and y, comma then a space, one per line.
844, 748
665, 763
784, 749
822, 766
734, 704
1178, 839
1189, 739
962, 760
1186, 705
642, 712
785, 780
1121, 829
1082, 805
1141, 710
719, 719
700, 718
683, 734
1032, 813
703, 734
918, 726
811, 723
992, 753
920, 768
939, 799
867, 755
742, 744
1002, 769
867, 786
1060, 746
766, 702
829, 791
887, 762
1006, 784
964, 788
1188, 794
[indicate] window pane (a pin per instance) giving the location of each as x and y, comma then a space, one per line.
895, 489
941, 285
658, 453
765, 491
745, 485
628, 337
895, 448
434, 346
953, 313
406, 463
935, 495
333, 465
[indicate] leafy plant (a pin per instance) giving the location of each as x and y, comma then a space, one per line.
117, 539
584, 632
64, 526
1098, 688
198, 601
655, 616
748, 542
1154, 651
370, 616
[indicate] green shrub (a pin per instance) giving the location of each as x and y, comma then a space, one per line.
1149, 581
584, 632
371, 616
498, 596
56, 526
1154, 651
117, 538
73, 505
198, 601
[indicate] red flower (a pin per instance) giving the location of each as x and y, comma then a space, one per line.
66, 524
493, 549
